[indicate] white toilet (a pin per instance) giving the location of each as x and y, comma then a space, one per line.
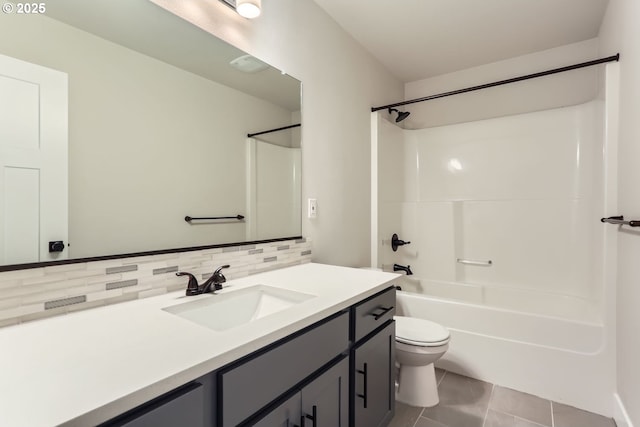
419, 343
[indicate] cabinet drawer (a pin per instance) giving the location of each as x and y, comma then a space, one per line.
184, 408
374, 312
246, 388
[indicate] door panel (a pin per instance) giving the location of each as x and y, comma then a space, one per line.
325, 401
374, 379
22, 214
285, 415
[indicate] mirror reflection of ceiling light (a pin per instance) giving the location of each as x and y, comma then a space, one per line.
248, 8
248, 64
454, 165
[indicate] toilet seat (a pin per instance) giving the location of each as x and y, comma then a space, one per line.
420, 332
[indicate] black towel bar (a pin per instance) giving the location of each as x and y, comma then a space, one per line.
190, 218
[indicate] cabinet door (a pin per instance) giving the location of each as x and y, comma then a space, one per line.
325, 401
374, 382
285, 415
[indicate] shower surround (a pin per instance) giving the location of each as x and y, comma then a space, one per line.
506, 246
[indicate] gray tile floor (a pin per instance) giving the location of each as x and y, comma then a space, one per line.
467, 402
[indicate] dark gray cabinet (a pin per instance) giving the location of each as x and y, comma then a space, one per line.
373, 361
374, 384
338, 372
181, 408
287, 414
325, 401
321, 403
252, 384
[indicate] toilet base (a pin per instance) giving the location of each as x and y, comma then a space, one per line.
417, 386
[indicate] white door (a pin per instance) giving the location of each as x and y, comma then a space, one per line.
33, 162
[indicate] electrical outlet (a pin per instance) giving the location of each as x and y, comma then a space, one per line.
312, 210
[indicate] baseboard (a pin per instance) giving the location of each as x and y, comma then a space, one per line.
620, 415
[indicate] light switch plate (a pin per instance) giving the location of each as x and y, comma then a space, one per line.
312, 210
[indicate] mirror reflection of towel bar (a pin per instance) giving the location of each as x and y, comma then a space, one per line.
472, 262
619, 220
190, 218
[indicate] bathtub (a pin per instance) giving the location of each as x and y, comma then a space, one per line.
538, 353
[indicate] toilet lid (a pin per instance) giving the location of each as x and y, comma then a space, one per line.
420, 332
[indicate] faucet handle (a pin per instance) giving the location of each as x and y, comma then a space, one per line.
396, 242
192, 287
218, 277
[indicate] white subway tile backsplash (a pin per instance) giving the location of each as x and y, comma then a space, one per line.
104, 279
43, 296
66, 268
43, 314
9, 322
7, 284
17, 312
122, 269
153, 292
9, 303
165, 270
41, 292
84, 273
103, 295
63, 302
22, 274
122, 284
49, 278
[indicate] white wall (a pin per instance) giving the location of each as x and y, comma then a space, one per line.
558, 90
340, 84
620, 32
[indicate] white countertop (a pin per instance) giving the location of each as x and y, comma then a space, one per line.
84, 368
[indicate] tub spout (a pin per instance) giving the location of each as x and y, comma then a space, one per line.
407, 269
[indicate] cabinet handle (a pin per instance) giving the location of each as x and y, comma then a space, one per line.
364, 395
385, 310
313, 417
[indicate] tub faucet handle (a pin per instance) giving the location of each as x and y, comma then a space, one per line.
396, 242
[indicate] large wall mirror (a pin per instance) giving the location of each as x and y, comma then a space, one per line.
158, 118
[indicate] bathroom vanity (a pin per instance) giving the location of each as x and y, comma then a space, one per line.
317, 351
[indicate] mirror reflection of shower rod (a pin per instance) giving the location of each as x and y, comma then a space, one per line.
251, 135
619, 220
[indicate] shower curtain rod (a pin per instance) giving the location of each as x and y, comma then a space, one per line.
251, 135
613, 58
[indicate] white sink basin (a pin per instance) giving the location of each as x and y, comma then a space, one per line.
228, 310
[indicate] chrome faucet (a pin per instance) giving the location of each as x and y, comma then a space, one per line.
216, 280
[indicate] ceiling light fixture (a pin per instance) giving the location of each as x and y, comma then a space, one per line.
248, 8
